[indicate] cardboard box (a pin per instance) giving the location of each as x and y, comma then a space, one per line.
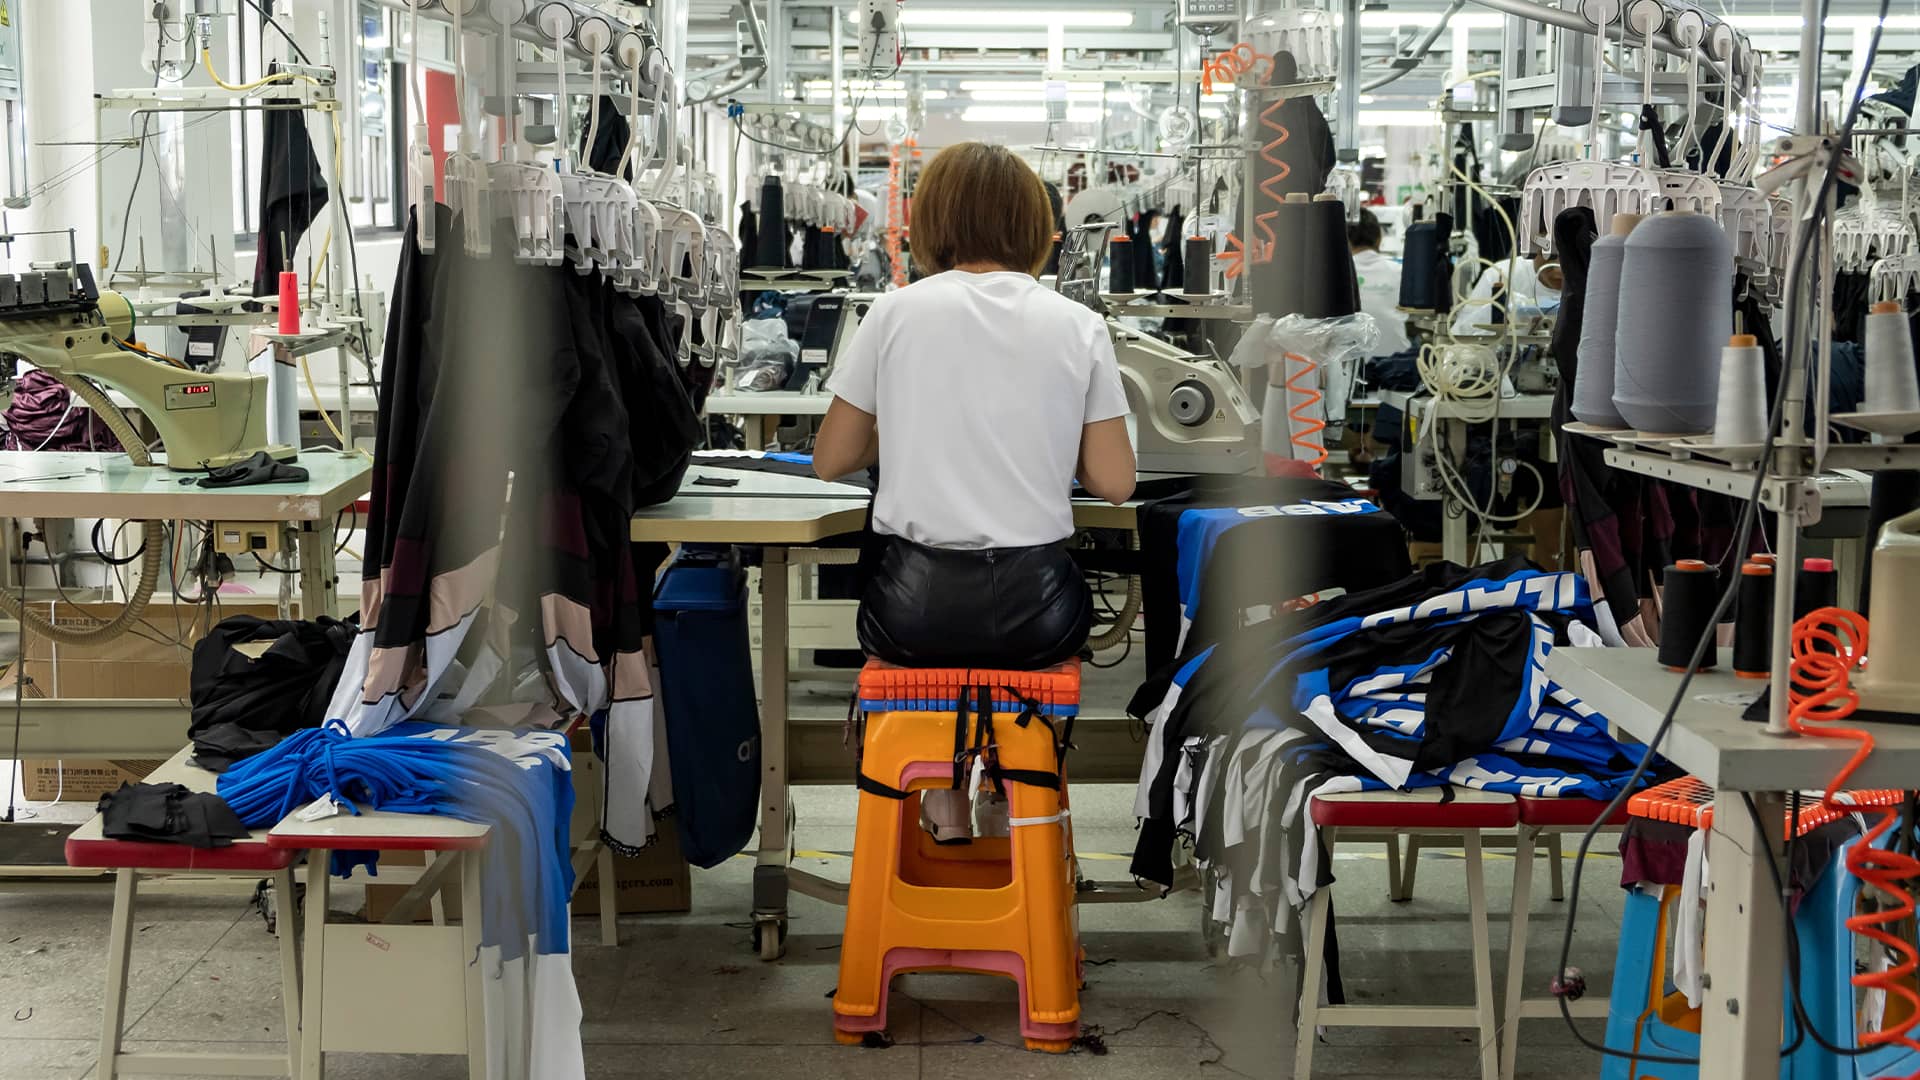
131, 665
655, 881
79, 779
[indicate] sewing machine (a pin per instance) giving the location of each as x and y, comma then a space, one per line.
1190, 414
61, 323
1890, 689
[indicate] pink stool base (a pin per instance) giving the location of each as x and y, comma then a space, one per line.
978, 960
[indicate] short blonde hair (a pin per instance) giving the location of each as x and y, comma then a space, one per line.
980, 203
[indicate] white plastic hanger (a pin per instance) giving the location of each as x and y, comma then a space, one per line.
420, 171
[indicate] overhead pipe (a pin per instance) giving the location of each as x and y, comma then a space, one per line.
754, 69
520, 29
1569, 20
1411, 62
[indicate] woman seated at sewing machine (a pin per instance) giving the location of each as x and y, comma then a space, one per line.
982, 397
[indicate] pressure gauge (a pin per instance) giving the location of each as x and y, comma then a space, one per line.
1207, 17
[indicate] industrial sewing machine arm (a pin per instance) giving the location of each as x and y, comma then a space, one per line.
1190, 414
61, 323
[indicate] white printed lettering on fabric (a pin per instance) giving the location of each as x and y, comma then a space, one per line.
1312, 508
1542, 592
1472, 774
525, 749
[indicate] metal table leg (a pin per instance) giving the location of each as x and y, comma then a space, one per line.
1740, 1028
776, 842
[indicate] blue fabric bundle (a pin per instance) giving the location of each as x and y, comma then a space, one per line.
516, 783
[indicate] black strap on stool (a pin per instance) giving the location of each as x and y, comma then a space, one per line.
973, 738
1031, 710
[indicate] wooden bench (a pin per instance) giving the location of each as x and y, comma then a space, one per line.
89, 847
387, 988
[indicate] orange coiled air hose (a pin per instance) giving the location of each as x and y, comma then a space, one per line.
1227, 66
1269, 187
1303, 399
1827, 645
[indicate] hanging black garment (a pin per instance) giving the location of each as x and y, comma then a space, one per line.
283, 689
1490, 230
1173, 267
292, 194
749, 233
1574, 234
1142, 234
610, 138
770, 243
1851, 299
663, 426
169, 814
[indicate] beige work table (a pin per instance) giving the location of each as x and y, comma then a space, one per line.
50, 484
780, 514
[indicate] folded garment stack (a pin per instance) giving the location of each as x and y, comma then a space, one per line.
1436, 679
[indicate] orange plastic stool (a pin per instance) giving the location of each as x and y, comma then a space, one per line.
998, 906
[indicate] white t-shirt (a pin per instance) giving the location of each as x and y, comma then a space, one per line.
981, 384
1526, 292
1380, 298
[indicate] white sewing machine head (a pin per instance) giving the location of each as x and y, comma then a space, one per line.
1190, 415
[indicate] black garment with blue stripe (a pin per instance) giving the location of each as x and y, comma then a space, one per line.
1437, 678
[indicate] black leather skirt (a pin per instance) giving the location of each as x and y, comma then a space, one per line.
1012, 608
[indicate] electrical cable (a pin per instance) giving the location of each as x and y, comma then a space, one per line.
275, 23
98, 524
313, 389
140, 169
141, 350
350, 530
261, 559
1304, 415
206, 60
1804, 1025
1749, 515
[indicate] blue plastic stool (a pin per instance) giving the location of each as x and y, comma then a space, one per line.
1826, 970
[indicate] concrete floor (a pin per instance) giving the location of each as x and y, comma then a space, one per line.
684, 997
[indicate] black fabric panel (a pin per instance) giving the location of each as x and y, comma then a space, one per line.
293, 193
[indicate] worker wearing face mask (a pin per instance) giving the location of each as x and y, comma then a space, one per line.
1515, 284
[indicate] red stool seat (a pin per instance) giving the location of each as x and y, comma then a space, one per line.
1567, 813
1469, 809
252, 855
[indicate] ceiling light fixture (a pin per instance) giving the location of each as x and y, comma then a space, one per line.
1010, 18
1023, 114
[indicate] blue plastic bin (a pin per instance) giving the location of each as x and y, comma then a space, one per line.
712, 720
